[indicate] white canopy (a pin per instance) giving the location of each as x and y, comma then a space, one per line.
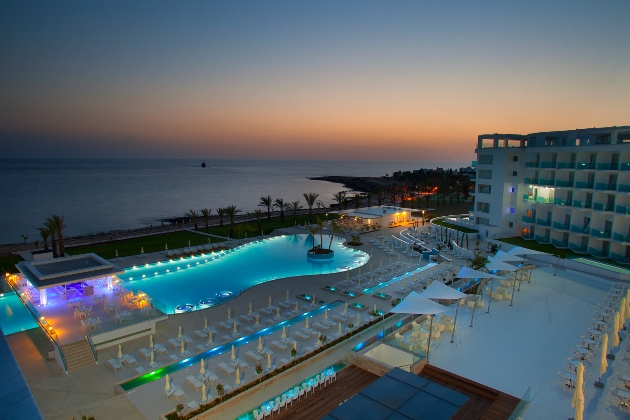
499, 265
504, 256
417, 304
438, 290
524, 251
469, 273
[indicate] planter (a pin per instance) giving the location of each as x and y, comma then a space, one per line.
311, 255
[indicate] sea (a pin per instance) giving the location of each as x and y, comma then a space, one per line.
103, 195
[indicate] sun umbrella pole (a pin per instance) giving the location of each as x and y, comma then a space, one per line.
473, 311
513, 288
429, 344
490, 297
455, 322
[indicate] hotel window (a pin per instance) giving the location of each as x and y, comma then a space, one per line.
510, 224
515, 159
514, 173
484, 173
483, 221
484, 188
485, 159
512, 189
483, 207
623, 138
602, 139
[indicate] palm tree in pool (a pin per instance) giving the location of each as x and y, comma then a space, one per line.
294, 208
221, 212
266, 202
320, 228
231, 212
313, 231
279, 204
58, 222
193, 216
45, 234
340, 198
311, 199
52, 228
335, 230
205, 213
258, 213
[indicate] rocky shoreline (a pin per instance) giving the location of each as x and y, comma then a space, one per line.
360, 184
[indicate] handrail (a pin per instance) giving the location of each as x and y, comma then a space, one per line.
522, 405
89, 341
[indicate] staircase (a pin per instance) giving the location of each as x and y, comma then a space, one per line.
78, 355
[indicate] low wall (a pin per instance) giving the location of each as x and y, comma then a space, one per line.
120, 335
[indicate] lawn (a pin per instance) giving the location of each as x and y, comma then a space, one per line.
455, 227
7, 263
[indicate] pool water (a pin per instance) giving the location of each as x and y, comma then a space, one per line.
14, 317
218, 277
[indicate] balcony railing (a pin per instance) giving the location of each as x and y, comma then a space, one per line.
577, 248
624, 188
600, 233
604, 186
619, 258
588, 185
471, 208
603, 207
527, 236
564, 183
621, 238
561, 226
608, 166
542, 200
578, 229
597, 253
585, 165
622, 210
559, 244
547, 164
546, 182
581, 204
561, 202
531, 181
529, 219
624, 166
542, 239
542, 222
532, 164
530, 198
566, 165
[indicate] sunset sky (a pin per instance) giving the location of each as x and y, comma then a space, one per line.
400, 80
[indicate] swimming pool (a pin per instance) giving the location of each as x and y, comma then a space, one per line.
14, 317
211, 279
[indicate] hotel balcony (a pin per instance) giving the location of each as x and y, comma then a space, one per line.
529, 198
568, 184
600, 234
608, 166
585, 165
527, 236
597, 253
561, 226
542, 200
531, 181
581, 204
561, 202
541, 222
471, 209
578, 248
604, 186
623, 210
621, 238
559, 244
547, 165
566, 165
532, 164
586, 185
529, 219
542, 239
624, 167
580, 230
624, 188
546, 182
619, 258
603, 207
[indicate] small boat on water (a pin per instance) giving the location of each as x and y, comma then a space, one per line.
203, 164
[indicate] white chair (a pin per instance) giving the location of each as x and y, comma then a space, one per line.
115, 364
258, 414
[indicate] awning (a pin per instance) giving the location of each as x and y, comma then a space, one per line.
417, 304
438, 290
469, 273
504, 256
524, 251
499, 265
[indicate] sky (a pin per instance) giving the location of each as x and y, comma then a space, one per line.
388, 80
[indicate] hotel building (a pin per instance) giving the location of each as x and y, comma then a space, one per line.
570, 189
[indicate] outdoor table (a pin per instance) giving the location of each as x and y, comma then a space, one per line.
571, 377
626, 378
588, 342
614, 296
604, 315
599, 324
609, 302
624, 395
594, 333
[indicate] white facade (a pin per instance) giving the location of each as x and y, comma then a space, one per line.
570, 189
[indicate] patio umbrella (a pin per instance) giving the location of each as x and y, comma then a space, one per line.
202, 369
287, 294
603, 363
319, 340
296, 307
238, 375
229, 313
313, 302
204, 398
205, 322
116, 253
168, 383
375, 308
277, 312
120, 352
142, 250
209, 337
347, 276
326, 313
578, 393
358, 319
152, 359
182, 349
622, 311
235, 327
295, 345
339, 328
189, 242
306, 326
179, 334
615, 332
250, 307
345, 308
151, 340
284, 332
439, 290
504, 256
359, 282
469, 273
579, 410
260, 346
268, 360
404, 282
233, 356
269, 300
257, 323
166, 246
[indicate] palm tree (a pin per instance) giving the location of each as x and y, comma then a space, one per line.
220, 391
193, 215
335, 229
24, 238
320, 227
231, 212
320, 205
52, 229
313, 231
340, 198
205, 213
357, 200
379, 196
259, 215
221, 212
294, 207
369, 199
279, 204
268, 203
311, 199
45, 234
58, 222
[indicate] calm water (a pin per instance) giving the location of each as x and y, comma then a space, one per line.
102, 195
14, 317
192, 280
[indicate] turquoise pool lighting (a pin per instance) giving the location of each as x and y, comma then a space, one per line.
393, 280
216, 277
14, 317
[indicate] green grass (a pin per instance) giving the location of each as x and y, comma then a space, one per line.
7, 263
454, 227
180, 239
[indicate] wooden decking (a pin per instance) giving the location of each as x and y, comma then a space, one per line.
484, 403
349, 381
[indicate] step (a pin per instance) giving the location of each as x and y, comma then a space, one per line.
78, 355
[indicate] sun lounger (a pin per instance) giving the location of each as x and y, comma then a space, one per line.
211, 376
160, 348
241, 363
267, 311
209, 329
195, 382
174, 357
265, 351
321, 326
177, 391
228, 369
247, 318
279, 345
187, 339
174, 342
329, 322
115, 364
225, 326
193, 405
129, 359
200, 334
140, 369
146, 353
301, 336
255, 356
252, 329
